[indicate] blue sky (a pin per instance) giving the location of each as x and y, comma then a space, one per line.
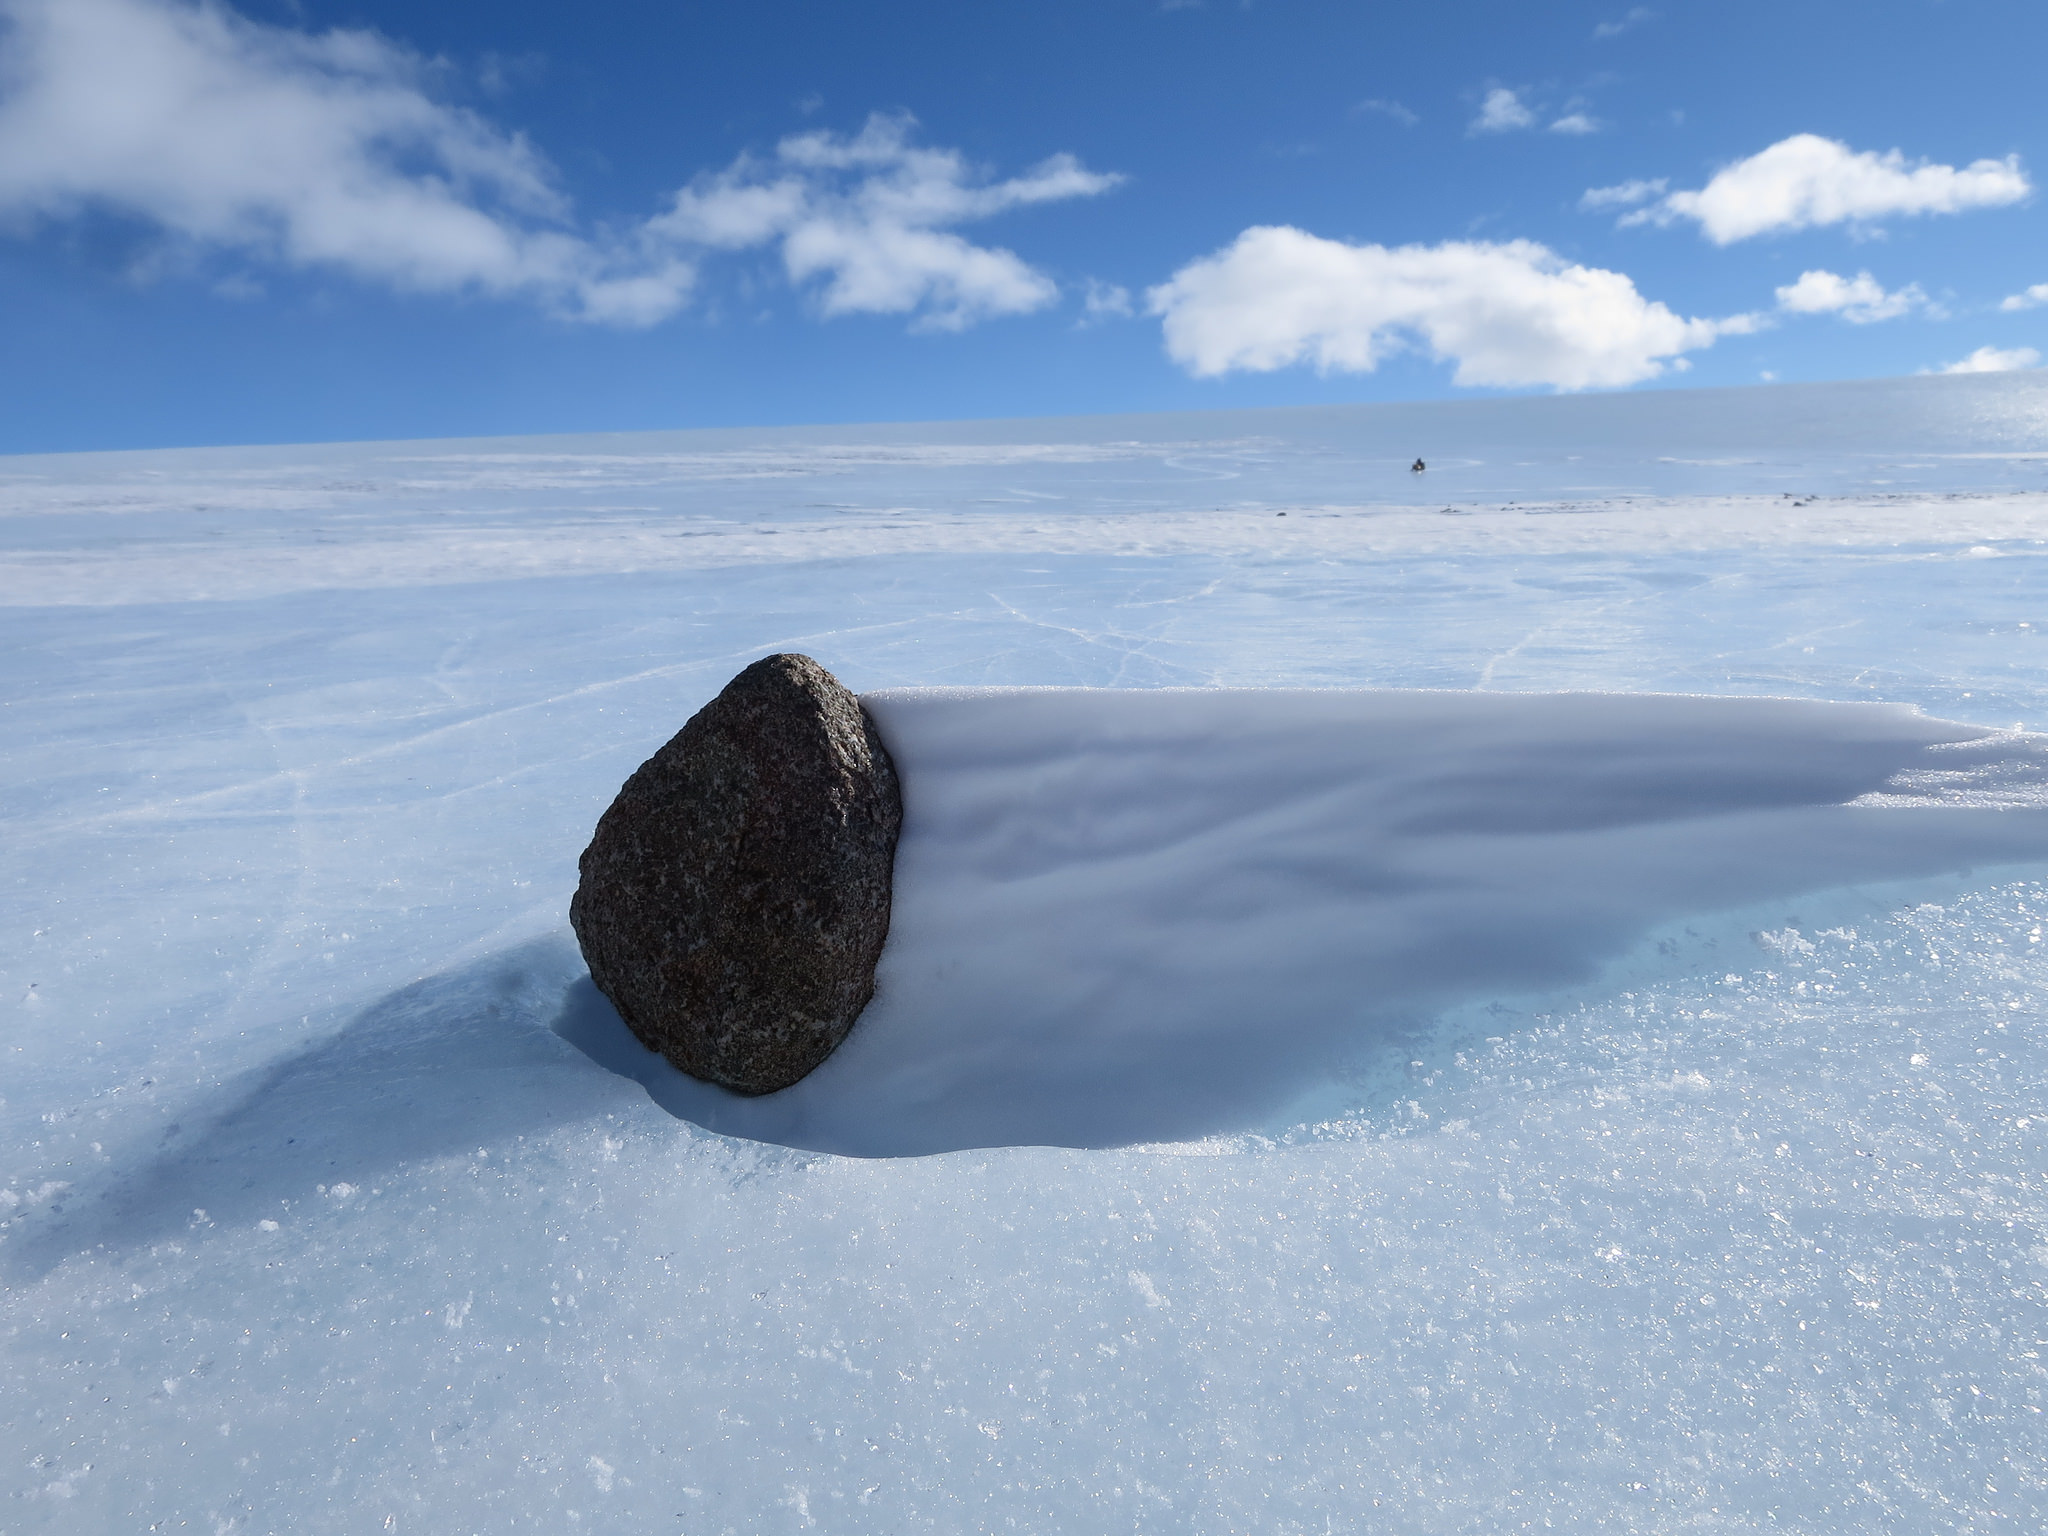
300, 221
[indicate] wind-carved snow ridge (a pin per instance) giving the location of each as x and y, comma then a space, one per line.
1158, 915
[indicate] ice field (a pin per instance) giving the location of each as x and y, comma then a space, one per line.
1606, 1093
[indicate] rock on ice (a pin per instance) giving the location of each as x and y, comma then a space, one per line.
736, 895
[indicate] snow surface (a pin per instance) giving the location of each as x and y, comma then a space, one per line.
1665, 1148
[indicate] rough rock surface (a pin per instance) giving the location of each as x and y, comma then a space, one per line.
735, 897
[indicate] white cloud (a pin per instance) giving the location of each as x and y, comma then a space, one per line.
2031, 298
328, 151
1393, 109
1995, 360
1635, 17
864, 219
1860, 300
1105, 301
1807, 180
310, 150
1508, 314
1626, 195
1502, 112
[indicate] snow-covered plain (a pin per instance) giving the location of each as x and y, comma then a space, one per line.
1667, 1150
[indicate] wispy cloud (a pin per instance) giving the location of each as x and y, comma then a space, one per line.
1502, 111
864, 222
1102, 301
329, 151
1994, 360
1635, 17
1394, 109
2030, 298
1625, 195
1506, 111
1509, 314
1807, 181
1861, 300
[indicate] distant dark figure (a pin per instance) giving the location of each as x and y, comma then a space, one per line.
1418, 467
